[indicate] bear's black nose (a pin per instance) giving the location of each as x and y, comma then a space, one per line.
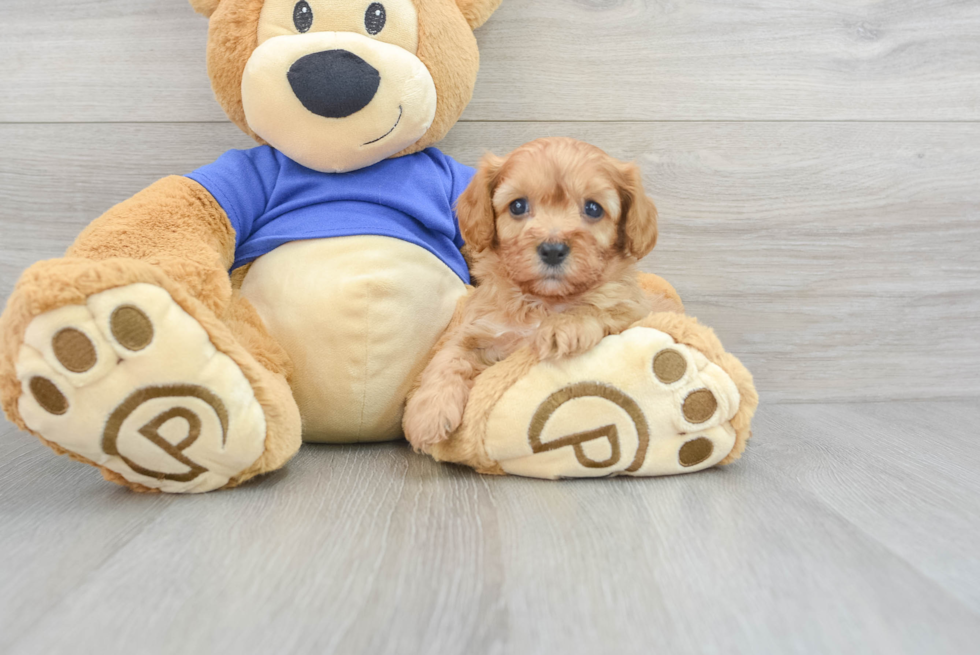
553, 254
334, 83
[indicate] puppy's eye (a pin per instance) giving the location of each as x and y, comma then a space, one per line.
520, 207
302, 16
375, 18
594, 210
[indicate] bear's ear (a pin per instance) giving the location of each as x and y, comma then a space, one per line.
205, 7
476, 11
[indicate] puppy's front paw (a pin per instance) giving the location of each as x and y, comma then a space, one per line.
428, 422
563, 338
545, 344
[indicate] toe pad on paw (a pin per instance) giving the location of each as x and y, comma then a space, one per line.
47, 395
74, 350
131, 327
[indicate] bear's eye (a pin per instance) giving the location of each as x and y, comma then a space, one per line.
594, 210
519, 207
303, 16
375, 18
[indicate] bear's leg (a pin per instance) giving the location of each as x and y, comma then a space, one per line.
134, 354
661, 398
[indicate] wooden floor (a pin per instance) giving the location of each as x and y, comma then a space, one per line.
848, 528
817, 168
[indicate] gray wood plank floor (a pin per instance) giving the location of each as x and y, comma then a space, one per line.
848, 528
816, 165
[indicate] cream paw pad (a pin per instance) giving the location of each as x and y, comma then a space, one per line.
132, 382
641, 403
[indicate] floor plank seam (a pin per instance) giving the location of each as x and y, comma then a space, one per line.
867, 401
788, 483
899, 556
86, 579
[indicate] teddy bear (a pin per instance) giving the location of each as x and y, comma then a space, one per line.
196, 334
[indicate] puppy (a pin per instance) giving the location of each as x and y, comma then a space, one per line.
553, 234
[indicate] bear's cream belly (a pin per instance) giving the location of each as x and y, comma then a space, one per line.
358, 316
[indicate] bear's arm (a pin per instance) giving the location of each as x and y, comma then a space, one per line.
174, 223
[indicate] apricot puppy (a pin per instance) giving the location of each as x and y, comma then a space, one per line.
553, 232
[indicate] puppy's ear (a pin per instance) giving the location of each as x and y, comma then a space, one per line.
477, 11
477, 219
205, 7
638, 214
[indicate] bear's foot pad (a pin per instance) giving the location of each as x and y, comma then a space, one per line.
638, 404
131, 382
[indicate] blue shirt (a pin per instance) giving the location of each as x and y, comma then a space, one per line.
271, 200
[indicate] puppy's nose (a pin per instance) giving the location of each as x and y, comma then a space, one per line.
553, 254
334, 83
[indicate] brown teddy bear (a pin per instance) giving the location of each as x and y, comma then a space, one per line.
195, 333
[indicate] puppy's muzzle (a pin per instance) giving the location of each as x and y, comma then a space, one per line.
334, 83
553, 254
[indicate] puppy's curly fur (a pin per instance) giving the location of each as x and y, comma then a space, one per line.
553, 232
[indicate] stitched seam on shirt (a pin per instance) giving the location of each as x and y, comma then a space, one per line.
275, 185
367, 369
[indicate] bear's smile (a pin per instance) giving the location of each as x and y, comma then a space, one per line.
401, 112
